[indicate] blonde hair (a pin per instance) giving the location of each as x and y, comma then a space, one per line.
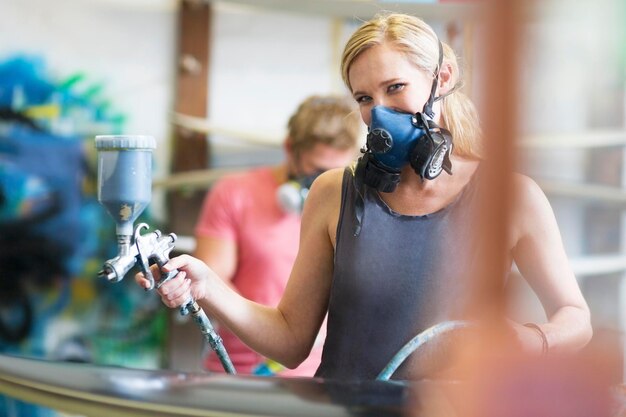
329, 120
420, 44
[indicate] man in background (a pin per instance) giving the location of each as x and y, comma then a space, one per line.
249, 227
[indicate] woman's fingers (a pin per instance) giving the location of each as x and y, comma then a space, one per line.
179, 262
142, 281
176, 291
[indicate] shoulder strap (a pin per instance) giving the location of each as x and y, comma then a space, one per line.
359, 196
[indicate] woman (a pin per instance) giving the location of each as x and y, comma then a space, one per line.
384, 248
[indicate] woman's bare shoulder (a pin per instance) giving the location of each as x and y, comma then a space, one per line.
330, 180
323, 203
327, 187
532, 211
527, 193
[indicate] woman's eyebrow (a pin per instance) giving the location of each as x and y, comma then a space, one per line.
381, 84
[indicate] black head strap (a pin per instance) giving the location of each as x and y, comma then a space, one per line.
428, 107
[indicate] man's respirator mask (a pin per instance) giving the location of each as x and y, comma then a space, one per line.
395, 139
291, 195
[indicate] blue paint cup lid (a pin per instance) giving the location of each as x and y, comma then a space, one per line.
113, 142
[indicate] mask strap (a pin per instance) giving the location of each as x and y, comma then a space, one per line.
359, 203
428, 107
452, 90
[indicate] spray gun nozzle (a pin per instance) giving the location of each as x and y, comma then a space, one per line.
115, 269
108, 274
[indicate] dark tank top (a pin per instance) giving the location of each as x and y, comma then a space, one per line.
399, 276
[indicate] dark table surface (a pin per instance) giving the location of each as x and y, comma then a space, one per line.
104, 391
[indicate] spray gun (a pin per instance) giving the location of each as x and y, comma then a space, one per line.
125, 190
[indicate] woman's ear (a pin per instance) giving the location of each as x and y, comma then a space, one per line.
445, 79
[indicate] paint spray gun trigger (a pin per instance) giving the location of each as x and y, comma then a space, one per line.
156, 248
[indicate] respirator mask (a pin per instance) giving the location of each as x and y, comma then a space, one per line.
291, 195
396, 139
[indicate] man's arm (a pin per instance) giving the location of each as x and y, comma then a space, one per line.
216, 229
219, 254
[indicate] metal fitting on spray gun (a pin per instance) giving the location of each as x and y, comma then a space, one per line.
124, 189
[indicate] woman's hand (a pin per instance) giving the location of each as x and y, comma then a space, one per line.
192, 280
528, 339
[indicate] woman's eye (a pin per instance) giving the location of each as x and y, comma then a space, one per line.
395, 87
363, 99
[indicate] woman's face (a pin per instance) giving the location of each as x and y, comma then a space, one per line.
382, 76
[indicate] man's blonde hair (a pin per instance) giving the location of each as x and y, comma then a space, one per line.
420, 44
330, 120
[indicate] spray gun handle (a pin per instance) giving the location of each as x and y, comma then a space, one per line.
187, 306
155, 247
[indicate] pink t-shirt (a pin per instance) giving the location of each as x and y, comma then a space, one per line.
243, 208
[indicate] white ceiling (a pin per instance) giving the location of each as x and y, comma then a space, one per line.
358, 9
365, 9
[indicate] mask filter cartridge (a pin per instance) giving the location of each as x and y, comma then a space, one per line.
290, 196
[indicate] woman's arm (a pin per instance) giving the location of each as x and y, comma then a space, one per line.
286, 333
540, 256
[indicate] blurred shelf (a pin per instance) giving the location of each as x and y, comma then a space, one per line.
598, 264
191, 180
588, 139
590, 192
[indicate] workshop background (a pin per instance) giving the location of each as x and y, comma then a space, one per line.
214, 82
